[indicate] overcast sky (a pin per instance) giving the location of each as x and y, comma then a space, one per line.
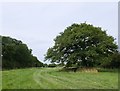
37, 24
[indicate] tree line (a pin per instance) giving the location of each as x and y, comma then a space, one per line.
80, 45
15, 54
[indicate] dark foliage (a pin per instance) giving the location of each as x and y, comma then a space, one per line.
16, 54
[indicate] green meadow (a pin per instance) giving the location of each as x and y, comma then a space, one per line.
53, 78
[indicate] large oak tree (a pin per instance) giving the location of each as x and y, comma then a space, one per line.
82, 45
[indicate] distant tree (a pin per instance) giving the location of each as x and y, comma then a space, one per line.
52, 65
82, 45
36, 62
45, 65
17, 55
114, 63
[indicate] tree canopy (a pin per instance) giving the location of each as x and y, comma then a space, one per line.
82, 45
16, 54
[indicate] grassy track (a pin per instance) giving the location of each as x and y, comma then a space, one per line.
51, 78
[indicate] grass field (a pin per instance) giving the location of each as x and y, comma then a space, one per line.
52, 78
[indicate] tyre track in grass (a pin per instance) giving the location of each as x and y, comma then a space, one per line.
48, 81
68, 81
49, 78
74, 83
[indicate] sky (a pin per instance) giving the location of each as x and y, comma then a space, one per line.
37, 24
